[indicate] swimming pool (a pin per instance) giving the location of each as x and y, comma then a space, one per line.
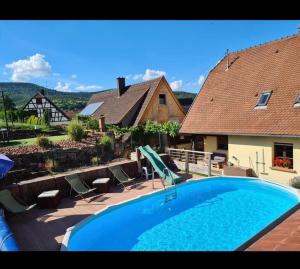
215, 214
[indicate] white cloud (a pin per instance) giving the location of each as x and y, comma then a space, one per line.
56, 74
73, 76
34, 66
63, 87
128, 76
176, 85
137, 76
151, 74
201, 80
87, 88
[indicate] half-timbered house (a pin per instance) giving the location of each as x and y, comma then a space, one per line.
39, 103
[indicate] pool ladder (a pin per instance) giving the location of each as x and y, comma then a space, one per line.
170, 196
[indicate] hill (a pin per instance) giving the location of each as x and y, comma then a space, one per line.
22, 92
185, 95
68, 101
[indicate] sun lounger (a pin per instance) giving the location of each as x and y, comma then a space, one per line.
120, 175
80, 187
11, 204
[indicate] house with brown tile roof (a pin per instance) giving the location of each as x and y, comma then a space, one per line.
130, 105
249, 109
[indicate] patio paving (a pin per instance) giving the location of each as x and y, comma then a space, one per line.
284, 237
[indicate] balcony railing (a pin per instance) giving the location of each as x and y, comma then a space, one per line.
190, 160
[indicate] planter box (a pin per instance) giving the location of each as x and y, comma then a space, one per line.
237, 171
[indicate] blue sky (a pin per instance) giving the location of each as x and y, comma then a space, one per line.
89, 55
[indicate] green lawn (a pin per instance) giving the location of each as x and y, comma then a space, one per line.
32, 141
24, 126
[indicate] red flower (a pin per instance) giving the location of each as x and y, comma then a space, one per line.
278, 162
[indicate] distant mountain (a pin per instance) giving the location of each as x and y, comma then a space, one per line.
68, 101
22, 92
185, 95
186, 99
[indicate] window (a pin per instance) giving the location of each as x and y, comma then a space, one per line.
39, 101
162, 99
263, 99
283, 155
222, 142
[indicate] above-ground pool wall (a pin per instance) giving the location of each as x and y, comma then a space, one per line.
244, 148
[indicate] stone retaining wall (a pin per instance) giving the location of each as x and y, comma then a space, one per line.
62, 159
28, 190
22, 134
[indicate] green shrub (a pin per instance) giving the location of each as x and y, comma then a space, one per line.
93, 124
29, 120
34, 120
95, 161
106, 142
60, 128
76, 131
43, 141
84, 119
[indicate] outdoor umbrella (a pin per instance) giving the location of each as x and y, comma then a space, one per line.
5, 165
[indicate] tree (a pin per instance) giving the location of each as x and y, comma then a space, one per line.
8, 103
8, 107
156, 129
136, 131
46, 118
171, 128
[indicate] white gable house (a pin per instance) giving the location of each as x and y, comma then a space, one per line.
39, 103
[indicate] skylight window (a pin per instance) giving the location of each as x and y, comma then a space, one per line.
297, 102
263, 99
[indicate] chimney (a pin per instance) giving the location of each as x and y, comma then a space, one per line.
102, 123
227, 60
120, 85
42, 91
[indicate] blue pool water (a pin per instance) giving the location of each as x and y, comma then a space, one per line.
219, 213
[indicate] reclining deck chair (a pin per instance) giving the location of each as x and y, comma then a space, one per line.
11, 204
79, 186
121, 176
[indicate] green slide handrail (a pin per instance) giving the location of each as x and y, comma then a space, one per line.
159, 165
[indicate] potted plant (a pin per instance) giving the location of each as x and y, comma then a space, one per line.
286, 163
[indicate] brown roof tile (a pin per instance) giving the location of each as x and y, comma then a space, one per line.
116, 108
226, 102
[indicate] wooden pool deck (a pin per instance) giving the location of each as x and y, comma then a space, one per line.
44, 229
